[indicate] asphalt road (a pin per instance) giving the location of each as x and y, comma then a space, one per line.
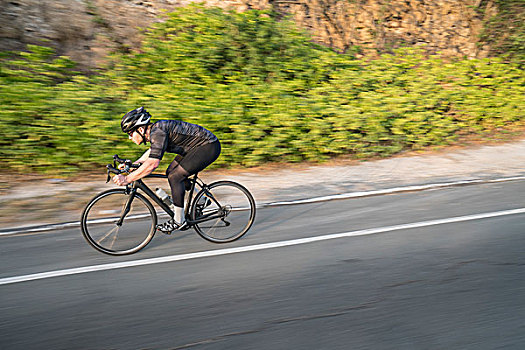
447, 285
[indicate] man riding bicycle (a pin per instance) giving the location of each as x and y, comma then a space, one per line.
197, 146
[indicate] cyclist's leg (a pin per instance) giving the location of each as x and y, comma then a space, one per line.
193, 162
176, 176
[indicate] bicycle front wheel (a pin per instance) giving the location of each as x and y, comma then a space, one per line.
99, 222
223, 212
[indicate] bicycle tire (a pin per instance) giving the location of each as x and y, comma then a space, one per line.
98, 222
234, 205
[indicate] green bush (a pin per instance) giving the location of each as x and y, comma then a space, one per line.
259, 84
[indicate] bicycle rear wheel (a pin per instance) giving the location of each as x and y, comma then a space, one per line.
226, 210
99, 222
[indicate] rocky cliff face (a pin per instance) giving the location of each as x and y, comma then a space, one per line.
449, 26
88, 29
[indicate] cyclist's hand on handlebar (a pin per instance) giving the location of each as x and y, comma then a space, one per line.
128, 166
120, 180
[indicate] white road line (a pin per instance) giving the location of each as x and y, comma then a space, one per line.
210, 253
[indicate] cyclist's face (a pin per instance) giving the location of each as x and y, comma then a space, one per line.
135, 137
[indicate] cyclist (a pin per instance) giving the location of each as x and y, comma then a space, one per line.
197, 148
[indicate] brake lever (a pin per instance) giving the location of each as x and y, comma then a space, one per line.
111, 169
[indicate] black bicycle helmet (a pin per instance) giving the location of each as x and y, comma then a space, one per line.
135, 119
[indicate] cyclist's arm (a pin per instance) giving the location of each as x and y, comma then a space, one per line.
145, 169
139, 161
143, 157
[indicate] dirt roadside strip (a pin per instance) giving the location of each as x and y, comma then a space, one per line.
41, 205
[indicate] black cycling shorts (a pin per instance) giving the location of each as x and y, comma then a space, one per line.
198, 158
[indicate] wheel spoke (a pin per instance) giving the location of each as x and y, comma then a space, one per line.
107, 234
114, 238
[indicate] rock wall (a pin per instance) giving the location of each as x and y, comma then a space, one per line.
449, 26
87, 30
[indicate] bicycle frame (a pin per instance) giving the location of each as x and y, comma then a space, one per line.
139, 184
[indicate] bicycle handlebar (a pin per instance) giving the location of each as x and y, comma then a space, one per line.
113, 168
127, 162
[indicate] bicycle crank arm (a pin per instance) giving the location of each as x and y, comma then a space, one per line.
204, 219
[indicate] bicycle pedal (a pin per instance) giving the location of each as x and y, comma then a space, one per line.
159, 228
168, 229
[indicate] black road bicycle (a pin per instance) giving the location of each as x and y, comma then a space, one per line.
123, 221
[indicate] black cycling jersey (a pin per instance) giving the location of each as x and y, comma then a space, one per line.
175, 136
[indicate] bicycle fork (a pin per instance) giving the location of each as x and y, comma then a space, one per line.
126, 207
